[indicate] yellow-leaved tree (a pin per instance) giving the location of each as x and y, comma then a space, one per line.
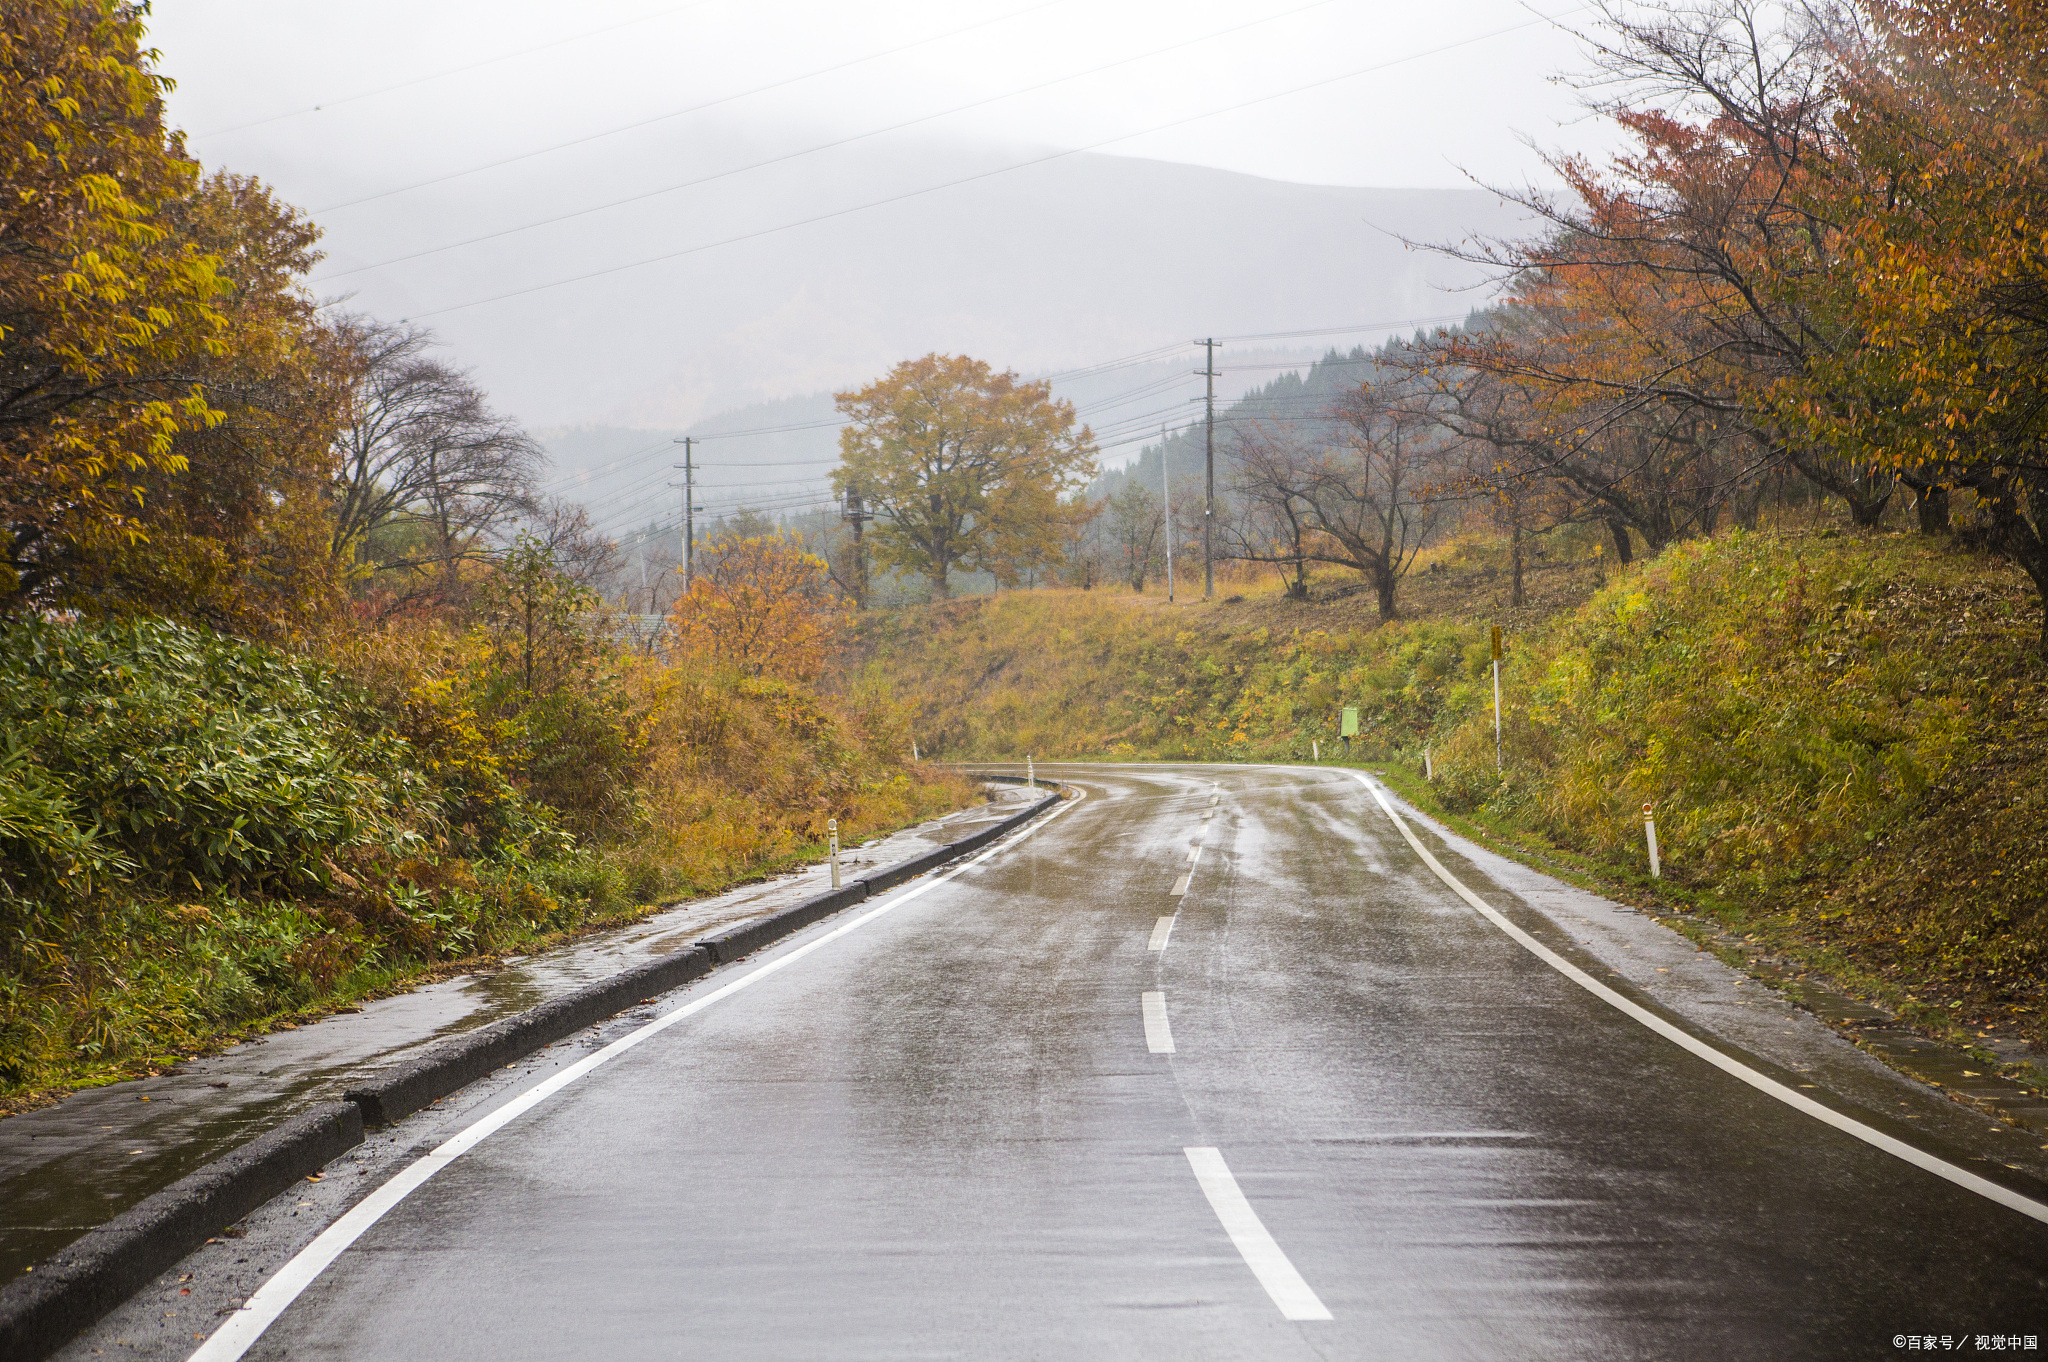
964, 467
103, 309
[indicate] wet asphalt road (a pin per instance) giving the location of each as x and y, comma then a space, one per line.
951, 1133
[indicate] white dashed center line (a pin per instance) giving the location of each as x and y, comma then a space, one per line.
1180, 886
1161, 930
1158, 1035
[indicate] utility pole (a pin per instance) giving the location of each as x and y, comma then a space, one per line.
690, 509
857, 513
1166, 491
1208, 371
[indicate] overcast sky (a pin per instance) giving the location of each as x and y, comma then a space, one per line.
407, 128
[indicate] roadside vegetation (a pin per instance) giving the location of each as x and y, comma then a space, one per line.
1842, 731
1773, 378
310, 687
306, 688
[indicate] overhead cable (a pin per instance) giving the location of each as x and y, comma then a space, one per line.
963, 180
680, 113
806, 151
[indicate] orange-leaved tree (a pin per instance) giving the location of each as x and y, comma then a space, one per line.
1678, 288
763, 604
105, 309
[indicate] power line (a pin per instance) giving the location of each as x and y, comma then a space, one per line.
1347, 330
807, 151
1106, 437
968, 179
680, 113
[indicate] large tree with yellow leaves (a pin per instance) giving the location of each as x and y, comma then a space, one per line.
106, 311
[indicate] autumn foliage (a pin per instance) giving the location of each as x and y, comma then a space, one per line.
304, 687
965, 468
763, 605
104, 305
1824, 255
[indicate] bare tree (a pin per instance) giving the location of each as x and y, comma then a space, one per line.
564, 532
421, 442
1137, 532
1370, 502
1662, 470
1670, 296
1270, 515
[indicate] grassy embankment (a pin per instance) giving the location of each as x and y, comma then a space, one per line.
201, 837
1845, 737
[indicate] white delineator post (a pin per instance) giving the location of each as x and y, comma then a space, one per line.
1316, 748
1650, 836
1428, 767
913, 751
1030, 774
832, 828
1496, 699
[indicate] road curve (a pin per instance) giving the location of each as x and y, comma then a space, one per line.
1210, 1066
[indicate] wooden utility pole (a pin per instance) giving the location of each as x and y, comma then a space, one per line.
858, 515
688, 442
1208, 371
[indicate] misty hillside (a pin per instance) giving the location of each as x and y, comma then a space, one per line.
1068, 263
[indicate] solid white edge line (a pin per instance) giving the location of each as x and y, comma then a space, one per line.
1158, 1035
270, 1300
1294, 1296
1162, 932
1941, 1168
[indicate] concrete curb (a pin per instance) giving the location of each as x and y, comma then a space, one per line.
43, 1310
747, 937
395, 1095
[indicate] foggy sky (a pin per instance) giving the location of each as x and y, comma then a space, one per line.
749, 305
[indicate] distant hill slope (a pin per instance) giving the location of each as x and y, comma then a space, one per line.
1066, 263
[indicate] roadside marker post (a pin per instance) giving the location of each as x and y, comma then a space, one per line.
913, 751
832, 827
1496, 699
1428, 767
1316, 748
1030, 774
1650, 835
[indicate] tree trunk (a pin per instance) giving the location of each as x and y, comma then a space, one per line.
1624, 551
2017, 536
1931, 503
1749, 505
1515, 592
1864, 509
1867, 511
1384, 582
